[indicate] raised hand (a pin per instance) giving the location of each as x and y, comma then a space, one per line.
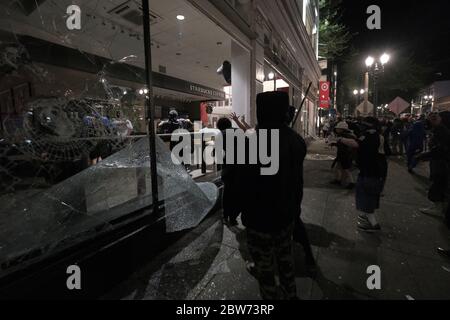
233, 116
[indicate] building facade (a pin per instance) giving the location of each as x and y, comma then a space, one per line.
80, 81
434, 98
281, 38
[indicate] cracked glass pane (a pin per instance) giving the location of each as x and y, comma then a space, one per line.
74, 150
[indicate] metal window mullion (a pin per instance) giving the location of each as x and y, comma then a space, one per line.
149, 104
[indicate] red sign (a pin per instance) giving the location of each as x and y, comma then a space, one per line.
203, 113
324, 95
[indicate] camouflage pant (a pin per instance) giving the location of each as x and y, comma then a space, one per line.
272, 255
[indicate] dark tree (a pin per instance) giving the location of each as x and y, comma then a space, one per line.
334, 35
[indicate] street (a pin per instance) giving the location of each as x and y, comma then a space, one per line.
209, 262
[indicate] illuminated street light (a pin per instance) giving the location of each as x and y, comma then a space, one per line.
373, 68
358, 93
385, 58
271, 76
369, 61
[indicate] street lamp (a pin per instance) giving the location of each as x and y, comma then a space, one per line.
372, 66
385, 59
369, 61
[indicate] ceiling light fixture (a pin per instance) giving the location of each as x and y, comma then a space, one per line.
180, 17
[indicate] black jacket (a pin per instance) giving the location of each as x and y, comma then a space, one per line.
273, 202
370, 163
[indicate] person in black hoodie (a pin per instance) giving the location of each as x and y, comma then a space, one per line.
274, 201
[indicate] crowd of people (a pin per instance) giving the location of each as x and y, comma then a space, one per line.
270, 206
418, 139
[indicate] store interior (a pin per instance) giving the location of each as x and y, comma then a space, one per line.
73, 142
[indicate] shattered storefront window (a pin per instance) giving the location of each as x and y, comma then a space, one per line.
74, 149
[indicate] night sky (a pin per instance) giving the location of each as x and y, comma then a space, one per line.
420, 28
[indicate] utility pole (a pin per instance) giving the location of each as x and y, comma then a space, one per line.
366, 93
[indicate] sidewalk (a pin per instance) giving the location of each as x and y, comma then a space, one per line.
209, 262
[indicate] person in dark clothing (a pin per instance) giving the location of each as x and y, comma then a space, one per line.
371, 176
439, 157
170, 126
344, 158
396, 137
440, 154
415, 137
230, 178
386, 131
300, 232
406, 127
274, 201
353, 125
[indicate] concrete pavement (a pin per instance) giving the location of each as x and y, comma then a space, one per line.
209, 261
